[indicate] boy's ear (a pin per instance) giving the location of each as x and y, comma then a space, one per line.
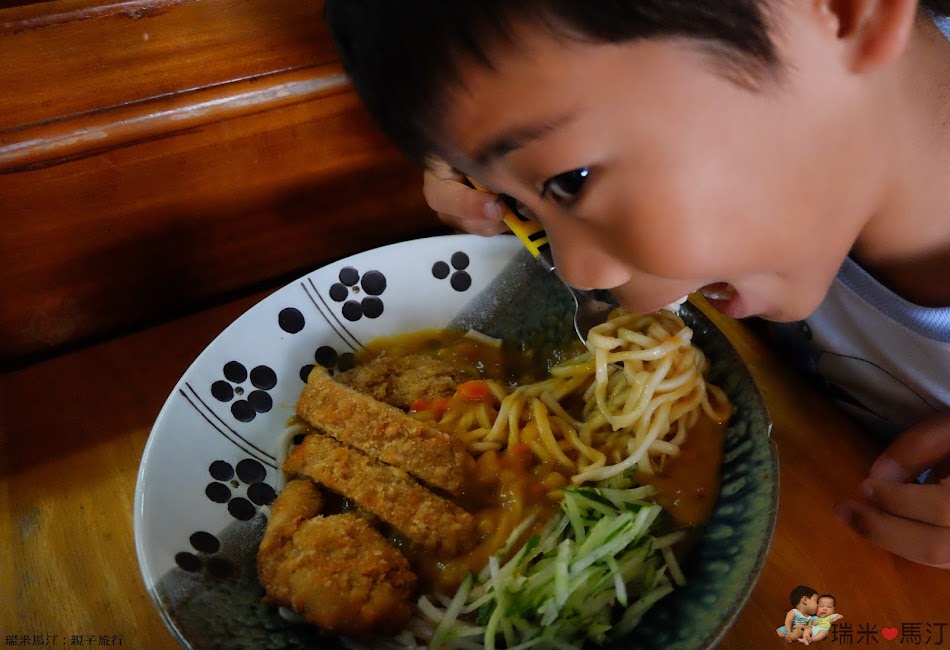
873, 32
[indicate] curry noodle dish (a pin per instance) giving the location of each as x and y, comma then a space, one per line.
455, 491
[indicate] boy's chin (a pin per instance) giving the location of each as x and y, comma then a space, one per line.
737, 307
734, 303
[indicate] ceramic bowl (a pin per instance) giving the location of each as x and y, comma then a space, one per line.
209, 470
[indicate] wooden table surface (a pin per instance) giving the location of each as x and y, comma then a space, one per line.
72, 431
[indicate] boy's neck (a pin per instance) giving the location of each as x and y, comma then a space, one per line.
906, 244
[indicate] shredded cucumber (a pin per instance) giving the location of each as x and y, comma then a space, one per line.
589, 576
444, 629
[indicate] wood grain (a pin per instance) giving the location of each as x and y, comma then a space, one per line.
74, 58
145, 178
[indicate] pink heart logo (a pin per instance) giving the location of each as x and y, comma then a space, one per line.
889, 633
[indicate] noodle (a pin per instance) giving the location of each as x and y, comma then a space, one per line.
627, 402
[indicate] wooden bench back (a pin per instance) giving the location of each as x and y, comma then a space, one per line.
157, 156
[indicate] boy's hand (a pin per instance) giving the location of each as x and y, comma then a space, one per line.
899, 514
460, 206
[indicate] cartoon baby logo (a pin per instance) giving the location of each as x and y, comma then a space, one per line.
810, 618
813, 618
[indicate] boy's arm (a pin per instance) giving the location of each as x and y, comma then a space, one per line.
836, 617
788, 620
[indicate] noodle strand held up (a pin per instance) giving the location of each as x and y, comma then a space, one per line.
627, 402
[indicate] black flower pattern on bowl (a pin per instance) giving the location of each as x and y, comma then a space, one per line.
230, 482
258, 400
454, 269
327, 357
201, 558
291, 320
351, 283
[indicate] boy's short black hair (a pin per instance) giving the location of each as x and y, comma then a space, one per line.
834, 603
403, 55
799, 592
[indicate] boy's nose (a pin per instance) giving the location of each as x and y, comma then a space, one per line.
585, 266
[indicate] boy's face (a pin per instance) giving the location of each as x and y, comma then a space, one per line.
687, 179
810, 605
826, 607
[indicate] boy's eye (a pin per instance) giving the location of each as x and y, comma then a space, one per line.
565, 188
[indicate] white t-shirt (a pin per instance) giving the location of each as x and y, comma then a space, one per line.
883, 359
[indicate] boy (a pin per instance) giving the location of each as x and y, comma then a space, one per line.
790, 160
798, 620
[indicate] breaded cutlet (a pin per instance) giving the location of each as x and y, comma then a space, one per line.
298, 501
401, 380
337, 571
384, 432
422, 516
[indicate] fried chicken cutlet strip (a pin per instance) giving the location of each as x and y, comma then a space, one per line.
400, 381
425, 518
384, 432
337, 571
299, 501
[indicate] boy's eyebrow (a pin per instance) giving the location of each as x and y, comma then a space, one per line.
515, 138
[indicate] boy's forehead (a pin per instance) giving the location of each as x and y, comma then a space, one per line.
541, 83
488, 115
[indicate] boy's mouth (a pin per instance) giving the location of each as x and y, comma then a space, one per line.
724, 297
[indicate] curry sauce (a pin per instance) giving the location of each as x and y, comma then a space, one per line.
506, 486
688, 485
